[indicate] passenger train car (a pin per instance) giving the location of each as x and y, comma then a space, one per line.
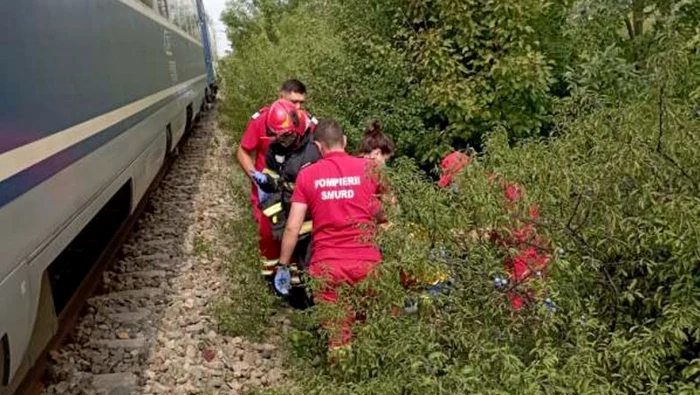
94, 94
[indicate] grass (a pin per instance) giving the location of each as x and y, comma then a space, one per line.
250, 306
202, 247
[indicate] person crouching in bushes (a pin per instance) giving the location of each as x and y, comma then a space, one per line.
379, 147
341, 196
528, 254
526, 251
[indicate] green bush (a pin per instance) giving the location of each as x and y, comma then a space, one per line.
621, 218
362, 63
616, 180
342, 80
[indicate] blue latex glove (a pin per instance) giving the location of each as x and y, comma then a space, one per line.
259, 177
500, 282
283, 280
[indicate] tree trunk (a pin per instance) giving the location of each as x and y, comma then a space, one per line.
630, 29
638, 17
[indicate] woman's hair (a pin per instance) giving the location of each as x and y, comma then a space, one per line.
374, 139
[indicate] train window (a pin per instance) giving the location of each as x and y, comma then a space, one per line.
183, 13
163, 8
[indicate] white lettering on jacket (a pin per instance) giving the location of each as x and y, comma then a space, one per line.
335, 182
335, 195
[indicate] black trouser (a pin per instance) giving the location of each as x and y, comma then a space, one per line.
299, 296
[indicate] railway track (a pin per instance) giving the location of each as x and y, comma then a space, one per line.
106, 326
140, 322
119, 304
103, 350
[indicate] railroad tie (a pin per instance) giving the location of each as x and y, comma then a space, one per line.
144, 274
127, 344
121, 382
130, 294
130, 317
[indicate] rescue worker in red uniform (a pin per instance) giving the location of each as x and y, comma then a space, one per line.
451, 166
293, 148
341, 193
254, 143
530, 258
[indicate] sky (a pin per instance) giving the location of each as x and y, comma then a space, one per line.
214, 8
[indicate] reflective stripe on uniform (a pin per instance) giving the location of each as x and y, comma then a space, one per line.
270, 262
440, 278
271, 173
294, 269
342, 350
272, 210
306, 227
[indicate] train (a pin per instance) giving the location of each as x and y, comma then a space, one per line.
94, 96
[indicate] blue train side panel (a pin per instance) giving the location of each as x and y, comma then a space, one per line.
92, 96
205, 41
51, 82
106, 56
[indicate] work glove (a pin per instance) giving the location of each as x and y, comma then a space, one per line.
283, 280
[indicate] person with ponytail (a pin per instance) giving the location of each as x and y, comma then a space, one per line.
375, 144
378, 147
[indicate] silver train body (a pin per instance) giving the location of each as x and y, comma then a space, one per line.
93, 94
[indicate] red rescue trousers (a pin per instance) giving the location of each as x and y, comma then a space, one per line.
333, 274
269, 247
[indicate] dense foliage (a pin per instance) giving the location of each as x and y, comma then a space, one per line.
591, 108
